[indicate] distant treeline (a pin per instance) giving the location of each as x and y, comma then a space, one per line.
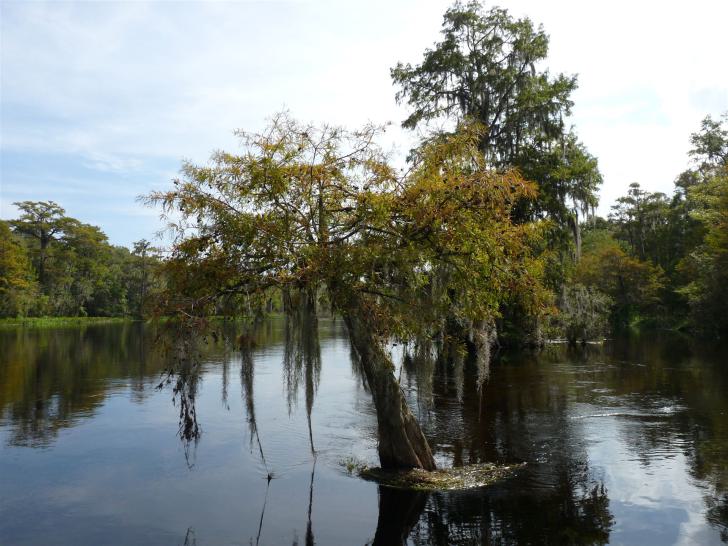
54, 265
659, 260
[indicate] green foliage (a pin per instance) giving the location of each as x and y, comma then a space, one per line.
142, 278
487, 68
568, 178
54, 265
305, 208
634, 286
702, 274
710, 145
56, 322
42, 221
18, 288
706, 266
583, 314
643, 221
663, 259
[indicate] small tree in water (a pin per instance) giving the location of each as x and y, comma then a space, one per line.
305, 211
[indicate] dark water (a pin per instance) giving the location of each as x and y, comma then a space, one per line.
624, 444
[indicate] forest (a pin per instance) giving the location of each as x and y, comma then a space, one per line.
52, 265
656, 261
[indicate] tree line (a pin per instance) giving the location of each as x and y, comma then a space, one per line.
659, 260
656, 259
55, 265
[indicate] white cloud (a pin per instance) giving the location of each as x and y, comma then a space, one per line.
649, 71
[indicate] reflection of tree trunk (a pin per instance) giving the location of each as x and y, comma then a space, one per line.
401, 441
310, 540
399, 510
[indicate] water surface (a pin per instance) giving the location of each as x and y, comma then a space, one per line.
624, 444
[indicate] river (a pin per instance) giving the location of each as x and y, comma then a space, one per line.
625, 443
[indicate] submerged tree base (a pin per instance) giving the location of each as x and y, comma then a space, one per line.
450, 479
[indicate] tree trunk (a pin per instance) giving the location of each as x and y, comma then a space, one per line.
576, 231
402, 444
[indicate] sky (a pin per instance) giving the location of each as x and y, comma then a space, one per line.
100, 101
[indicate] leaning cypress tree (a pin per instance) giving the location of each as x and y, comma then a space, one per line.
306, 211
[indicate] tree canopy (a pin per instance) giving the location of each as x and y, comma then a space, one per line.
663, 259
56, 265
318, 212
488, 68
304, 208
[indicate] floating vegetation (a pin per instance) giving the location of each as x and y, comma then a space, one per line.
464, 477
353, 465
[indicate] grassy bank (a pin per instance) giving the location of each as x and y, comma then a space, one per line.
50, 322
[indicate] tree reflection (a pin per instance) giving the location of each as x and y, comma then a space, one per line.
494, 515
399, 512
50, 379
519, 415
190, 538
717, 513
525, 414
671, 400
302, 358
247, 372
182, 344
681, 406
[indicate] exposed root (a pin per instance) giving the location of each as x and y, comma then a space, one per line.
450, 479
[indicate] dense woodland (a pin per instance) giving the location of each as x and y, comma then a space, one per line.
656, 260
660, 260
55, 265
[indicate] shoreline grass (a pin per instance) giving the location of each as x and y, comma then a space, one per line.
40, 322
50, 322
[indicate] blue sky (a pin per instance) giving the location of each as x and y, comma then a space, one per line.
101, 101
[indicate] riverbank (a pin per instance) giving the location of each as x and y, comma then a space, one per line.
51, 322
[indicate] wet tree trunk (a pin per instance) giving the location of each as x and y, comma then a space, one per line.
402, 444
576, 230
